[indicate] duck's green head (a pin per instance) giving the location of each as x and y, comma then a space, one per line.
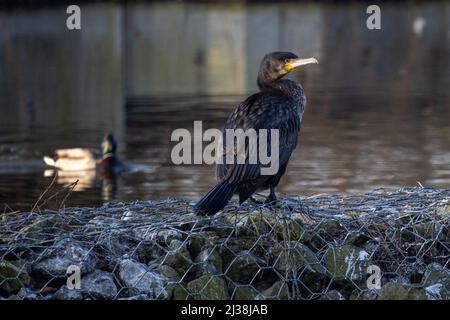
109, 145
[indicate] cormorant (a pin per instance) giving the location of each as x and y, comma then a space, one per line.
279, 105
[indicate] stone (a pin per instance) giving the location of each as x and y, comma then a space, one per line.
147, 252
180, 293
209, 261
12, 278
436, 281
42, 229
169, 272
162, 236
178, 257
394, 291
295, 257
138, 297
230, 249
252, 225
101, 222
291, 230
245, 293
66, 253
366, 294
356, 238
99, 285
138, 278
294, 230
347, 264
115, 243
64, 293
331, 228
197, 242
424, 230
278, 291
208, 287
332, 295
371, 246
28, 294
244, 267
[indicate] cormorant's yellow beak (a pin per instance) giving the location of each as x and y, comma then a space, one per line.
295, 63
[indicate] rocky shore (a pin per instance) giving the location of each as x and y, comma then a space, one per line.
384, 244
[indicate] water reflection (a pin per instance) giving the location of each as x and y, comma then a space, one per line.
378, 103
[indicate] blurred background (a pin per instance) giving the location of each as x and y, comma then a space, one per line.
378, 111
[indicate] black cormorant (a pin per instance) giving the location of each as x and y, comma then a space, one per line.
279, 105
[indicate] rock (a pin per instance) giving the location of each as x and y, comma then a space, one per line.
12, 278
371, 246
296, 257
137, 278
294, 230
347, 264
169, 272
42, 229
99, 285
436, 281
115, 243
278, 291
331, 228
148, 252
162, 236
332, 295
424, 230
252, 225
291, 230
244, 267
64, 293
197, 242
28, 294
137, 297
208, 261
64, 254
393, 291
244, 293
367, 294
180, 293
178, 257
101, 222
230, 249
208, 288
356, 238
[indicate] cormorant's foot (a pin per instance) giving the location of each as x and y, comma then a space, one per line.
254, 201
272, 202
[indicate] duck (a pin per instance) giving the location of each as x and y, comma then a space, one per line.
82, 159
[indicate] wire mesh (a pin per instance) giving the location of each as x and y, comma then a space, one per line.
384, 244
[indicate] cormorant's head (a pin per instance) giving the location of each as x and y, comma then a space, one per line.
109, 144
275, 65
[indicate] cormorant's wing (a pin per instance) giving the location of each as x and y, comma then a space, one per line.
260, 111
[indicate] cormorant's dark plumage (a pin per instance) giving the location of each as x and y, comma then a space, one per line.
279, 105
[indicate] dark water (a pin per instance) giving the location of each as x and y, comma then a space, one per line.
378, 103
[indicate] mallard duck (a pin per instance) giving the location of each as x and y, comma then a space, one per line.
81, 159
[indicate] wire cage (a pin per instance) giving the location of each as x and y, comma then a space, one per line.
384, 244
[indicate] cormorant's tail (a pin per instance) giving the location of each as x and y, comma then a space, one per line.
215, 199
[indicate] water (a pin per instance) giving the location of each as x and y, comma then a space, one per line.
378, 103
